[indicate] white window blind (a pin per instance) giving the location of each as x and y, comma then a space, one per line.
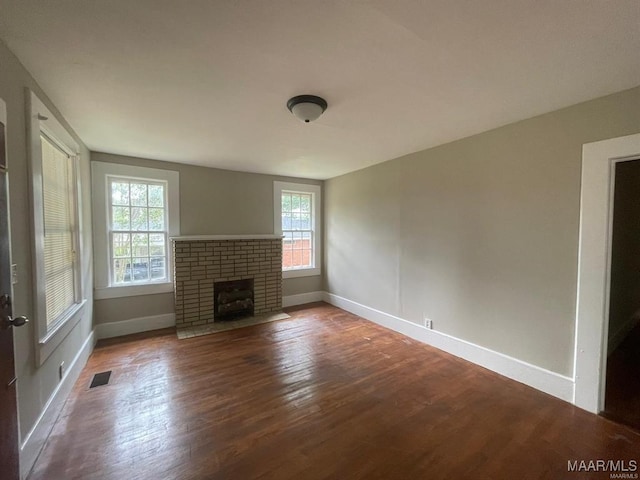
59, 226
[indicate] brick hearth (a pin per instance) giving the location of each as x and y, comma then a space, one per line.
202, 260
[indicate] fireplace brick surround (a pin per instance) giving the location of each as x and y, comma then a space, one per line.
199, 261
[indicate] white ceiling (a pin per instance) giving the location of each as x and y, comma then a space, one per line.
206, 82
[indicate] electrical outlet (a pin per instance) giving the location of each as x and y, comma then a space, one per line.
62, 370
14, 274
428, 323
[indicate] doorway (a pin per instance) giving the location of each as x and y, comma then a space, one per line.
594, 266
8, 410
622, 388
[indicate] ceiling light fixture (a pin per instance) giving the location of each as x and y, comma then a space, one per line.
307, 107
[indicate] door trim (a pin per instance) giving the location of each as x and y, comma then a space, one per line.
594, 258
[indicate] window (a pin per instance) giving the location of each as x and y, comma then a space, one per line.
297, 244
136, 212
60, 230
58, 294
137, 231
297, 217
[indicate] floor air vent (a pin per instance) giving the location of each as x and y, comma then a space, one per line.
100, 379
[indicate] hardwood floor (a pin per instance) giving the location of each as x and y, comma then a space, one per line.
322, 395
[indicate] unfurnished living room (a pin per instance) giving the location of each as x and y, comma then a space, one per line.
336, 239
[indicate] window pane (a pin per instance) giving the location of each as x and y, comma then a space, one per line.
305, 221
120, 193
121, 245
295, 221
306, 258
121, 270
305, 203
295, 203
139, 219
156, 244
139, 194
296, 258
286, 202
287, 222
156, 219
305, 241
140, 269
142, 256
140, 244
156, 238
120, 220
156, 195
158, 270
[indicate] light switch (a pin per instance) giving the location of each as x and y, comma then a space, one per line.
14, 274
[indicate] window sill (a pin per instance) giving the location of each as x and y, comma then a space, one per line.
132, 290
302, 272
48, 343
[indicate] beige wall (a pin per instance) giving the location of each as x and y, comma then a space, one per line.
212, 202
480, 235
36, 384
625, 258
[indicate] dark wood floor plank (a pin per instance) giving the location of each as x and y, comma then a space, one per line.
322, 395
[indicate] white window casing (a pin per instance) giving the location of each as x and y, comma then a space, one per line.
112, 281
56, 220
308, 228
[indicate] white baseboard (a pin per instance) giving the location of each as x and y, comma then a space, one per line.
536, 377
302, 298
36, 438
135, 325
617, 338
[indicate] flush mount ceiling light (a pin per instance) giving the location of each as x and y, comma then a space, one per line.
307, 107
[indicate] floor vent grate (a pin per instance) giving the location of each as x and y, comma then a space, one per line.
100, 379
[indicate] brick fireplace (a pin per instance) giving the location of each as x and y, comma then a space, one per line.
201, 261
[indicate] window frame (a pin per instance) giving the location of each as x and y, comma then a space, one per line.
316, 223
43, 122
111, 232
101, 172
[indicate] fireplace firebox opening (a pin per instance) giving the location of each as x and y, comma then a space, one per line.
233, 300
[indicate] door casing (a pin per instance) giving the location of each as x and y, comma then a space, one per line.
594, 266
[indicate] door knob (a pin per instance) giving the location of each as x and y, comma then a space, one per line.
18, 321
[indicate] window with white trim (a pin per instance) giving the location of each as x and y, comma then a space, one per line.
60, 239
59, 298
135, 212
297, 218
138, 235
